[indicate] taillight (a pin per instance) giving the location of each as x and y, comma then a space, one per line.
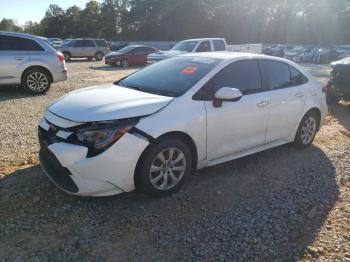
325, 89
60, 57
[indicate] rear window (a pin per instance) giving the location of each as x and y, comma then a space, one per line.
280, 75
12, 43
101, 43
171, 77
219, 45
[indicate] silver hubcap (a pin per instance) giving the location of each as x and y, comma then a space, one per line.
308, 130
167, 169
125, 63
99, 57
37, 82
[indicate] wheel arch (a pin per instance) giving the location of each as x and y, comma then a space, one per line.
187, 139
317, 111
39, 67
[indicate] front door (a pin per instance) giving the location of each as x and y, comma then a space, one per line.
241, 125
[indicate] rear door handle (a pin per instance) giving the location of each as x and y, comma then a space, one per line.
299, 94
19, 58
263, 103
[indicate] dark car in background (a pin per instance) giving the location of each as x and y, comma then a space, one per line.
132, 55
339, 84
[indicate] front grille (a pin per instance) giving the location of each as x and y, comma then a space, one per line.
59, 174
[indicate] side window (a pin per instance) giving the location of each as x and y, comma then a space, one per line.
101, 43
243, 75
204, 47
12, 43
78, 43
30, 45
297, 78
277, 74
219, 45
88, 43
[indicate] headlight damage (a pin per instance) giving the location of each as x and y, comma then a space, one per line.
100, 136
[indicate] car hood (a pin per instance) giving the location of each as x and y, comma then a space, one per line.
344, 61
169, 53
107, 102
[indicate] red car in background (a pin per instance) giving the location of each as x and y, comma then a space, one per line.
132, 55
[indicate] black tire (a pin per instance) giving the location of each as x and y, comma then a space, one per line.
99, 56
150, 157
124, 63
333, 98
67, 56
40, 86
306, 134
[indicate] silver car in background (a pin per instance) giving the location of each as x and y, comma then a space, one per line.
85, 48
187, 46
30, 61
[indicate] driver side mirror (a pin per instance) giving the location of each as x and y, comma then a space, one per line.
226, 94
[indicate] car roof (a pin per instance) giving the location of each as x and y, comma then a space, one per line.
225, 55
25, 35
202, 39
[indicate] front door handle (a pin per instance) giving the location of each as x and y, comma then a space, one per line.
263, 103
299, 94
19, 58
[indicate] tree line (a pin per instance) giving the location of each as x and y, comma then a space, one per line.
322, 22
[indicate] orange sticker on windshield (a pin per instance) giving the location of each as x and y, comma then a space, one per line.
189, 70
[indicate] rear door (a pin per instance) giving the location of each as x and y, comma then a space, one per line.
241, 125
287, 98
13, 57
88, 48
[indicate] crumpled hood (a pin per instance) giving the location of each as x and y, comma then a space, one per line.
166, 54
107, 102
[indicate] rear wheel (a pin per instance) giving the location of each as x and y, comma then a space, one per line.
36, 81
164, 167
307, 130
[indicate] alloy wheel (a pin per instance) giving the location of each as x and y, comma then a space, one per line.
167, 169
37, 82
308, 130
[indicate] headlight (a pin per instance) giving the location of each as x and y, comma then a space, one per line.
99, 137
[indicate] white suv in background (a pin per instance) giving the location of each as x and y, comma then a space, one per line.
29, 61
188, 46
153, 128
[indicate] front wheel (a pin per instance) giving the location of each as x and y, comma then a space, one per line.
164, 167
99, 56
124, 63
307, 130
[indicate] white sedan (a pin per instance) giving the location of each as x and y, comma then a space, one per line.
154, 128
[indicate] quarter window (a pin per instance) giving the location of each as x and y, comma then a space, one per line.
101, 43
297, 78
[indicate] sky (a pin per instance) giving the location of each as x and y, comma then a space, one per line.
24, 10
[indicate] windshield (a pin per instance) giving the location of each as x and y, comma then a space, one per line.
126, 49
171, 77
186, 46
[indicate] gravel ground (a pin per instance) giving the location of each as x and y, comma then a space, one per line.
280, 205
